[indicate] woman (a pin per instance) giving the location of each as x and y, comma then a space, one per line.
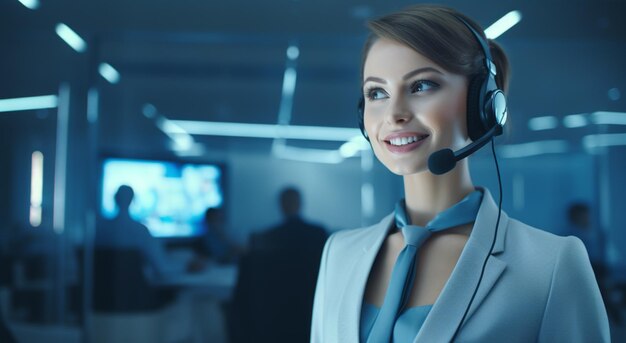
447, 265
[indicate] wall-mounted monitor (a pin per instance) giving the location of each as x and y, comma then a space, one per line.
170, 197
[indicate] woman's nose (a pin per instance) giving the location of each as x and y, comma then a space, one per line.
399, 112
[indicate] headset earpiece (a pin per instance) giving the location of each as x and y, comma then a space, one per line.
475, 125
486, 103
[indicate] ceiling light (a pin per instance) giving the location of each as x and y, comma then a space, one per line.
604, 140
28, 103
316, 133
293, 52
30, 4
306, 154
533, 148
575, 120
71, 38
543, 123
608, 118
353, 146
109, 73
503, 24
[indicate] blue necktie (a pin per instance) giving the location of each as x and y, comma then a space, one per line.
403, 273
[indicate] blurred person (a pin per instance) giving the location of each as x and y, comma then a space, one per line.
5, 281
274, 295
579, 220
293, 228
5, 334
216, 241
448, 264
123, 232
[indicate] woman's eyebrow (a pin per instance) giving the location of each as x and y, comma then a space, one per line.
419, 71
375, 79
406, 76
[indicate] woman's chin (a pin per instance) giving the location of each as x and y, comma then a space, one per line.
407, 169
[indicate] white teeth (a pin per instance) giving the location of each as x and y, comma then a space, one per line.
403, 140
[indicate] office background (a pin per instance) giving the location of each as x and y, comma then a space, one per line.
268, 92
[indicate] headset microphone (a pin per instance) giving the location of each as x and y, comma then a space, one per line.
444, 160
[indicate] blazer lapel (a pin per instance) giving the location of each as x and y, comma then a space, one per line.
352, 299
448, 310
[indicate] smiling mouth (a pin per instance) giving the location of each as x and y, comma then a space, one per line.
405, 140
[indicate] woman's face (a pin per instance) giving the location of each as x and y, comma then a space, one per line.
413, 107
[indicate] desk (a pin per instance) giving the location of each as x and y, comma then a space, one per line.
216, 280
203, 294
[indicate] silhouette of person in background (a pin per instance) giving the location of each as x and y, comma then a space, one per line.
579, 218
5, 335
216, 243
293, 229
123, 232
273, 299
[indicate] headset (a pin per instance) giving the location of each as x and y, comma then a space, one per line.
486, 116
486, 112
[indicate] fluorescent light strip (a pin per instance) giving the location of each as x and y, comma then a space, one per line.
367, 199
109, 73
28, 103
289, 81
286, 100
503, 24
36, 188
182, 139
196, 149
604, 140
30, 4
353, 147
543, 123
60, 163
533, 148
318, 133
575, 120
307, 155
71, 38
93, 99
289, 86
608, 118
367, 160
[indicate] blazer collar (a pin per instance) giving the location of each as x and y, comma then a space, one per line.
448, 310
352, 299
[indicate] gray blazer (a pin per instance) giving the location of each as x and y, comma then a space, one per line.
537, 286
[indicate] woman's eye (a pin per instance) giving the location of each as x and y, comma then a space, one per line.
375, 94
423, 86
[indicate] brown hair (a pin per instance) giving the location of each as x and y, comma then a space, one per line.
436, 32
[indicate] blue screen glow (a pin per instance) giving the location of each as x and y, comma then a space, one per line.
170, 198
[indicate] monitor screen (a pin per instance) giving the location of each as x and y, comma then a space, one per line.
170, 197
